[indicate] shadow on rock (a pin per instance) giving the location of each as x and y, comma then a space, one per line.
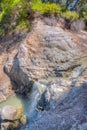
19, 79
68, 113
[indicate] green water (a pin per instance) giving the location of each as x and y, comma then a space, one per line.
18, 101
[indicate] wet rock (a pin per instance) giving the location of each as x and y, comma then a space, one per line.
38, 90
69, 112
45, 93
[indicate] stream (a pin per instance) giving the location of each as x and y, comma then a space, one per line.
17, 101
26, 102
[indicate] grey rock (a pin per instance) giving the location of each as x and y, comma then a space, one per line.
8, 113
5, 126
37, 90
82, 126
77, 72
45, 93
50, 21
67, 114
48, 53
47, 48
62, 21
78, 25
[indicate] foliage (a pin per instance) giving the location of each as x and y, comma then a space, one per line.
68, 15
1, 31
47, 8
83, 13
81, 4
70, 4
52, 8
24, 25
14, 13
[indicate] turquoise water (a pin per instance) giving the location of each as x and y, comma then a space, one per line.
18, 101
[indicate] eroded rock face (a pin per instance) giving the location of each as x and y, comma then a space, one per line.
69, 113
46, 52
47, 61
46, 92
11, 118
5, 84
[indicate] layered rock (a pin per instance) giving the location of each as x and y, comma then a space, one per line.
48, 63
48, 51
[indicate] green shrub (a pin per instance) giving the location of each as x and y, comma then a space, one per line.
1, 31
7, 7
51, 8
69, 15
14, 13
83, 13
24, 25
47, 8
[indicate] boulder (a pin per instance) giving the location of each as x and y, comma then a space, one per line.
8, 113
45, 49
12, 118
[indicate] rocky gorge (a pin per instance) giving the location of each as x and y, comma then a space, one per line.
49, 67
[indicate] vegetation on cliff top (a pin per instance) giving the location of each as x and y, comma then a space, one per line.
69, 9
16, 14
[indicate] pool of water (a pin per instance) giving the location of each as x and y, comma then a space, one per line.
17, 101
